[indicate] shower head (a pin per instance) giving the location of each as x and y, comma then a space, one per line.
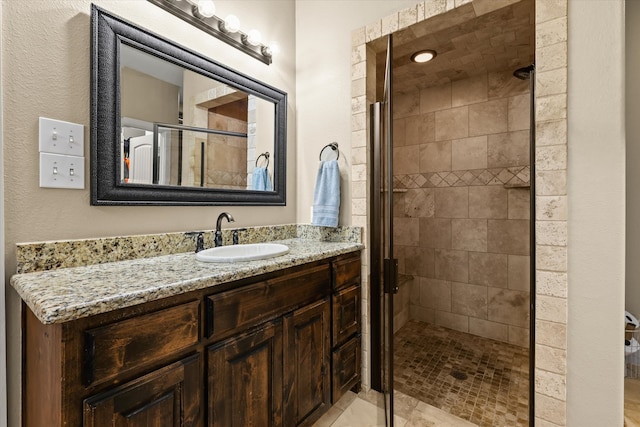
524, 73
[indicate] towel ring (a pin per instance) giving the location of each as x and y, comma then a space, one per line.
334, 147
266, 156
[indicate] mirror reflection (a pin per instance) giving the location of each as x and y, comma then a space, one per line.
181, 128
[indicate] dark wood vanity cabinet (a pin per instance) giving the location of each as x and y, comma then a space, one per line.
273, 350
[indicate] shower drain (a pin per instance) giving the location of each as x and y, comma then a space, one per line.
459, 375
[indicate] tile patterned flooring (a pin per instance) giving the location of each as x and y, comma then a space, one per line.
494, 393
477, 379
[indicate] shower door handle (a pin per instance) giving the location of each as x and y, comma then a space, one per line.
390, 275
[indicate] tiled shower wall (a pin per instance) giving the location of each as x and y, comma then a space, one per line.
461, 214
551, 183
226, 155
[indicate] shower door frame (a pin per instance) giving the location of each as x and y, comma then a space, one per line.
532, 242
382, 293
383, 265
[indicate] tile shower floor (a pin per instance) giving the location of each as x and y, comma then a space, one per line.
477, 379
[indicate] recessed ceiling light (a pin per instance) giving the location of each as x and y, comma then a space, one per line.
423, 56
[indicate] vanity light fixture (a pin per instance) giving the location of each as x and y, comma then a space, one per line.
423, 56
201, 14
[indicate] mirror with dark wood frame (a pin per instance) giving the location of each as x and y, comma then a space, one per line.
170, 126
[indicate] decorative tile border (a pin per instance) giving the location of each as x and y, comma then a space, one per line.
42, 256
224, 179
518, 176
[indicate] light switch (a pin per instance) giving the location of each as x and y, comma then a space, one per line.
60, 137
60, 171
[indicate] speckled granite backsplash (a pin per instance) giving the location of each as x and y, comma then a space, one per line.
42, 256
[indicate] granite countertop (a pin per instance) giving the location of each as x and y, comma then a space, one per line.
67, 294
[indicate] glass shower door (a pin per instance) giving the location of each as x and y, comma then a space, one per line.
384, 267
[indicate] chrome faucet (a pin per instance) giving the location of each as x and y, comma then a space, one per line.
218, 235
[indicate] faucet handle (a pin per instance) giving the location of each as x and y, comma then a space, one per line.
199, 239
235, 235
200, 242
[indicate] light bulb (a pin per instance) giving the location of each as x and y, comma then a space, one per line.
254, 37
231, 24
206, 8
274, 47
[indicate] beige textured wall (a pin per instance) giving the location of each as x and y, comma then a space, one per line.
146, 98
461, 229
323, 74
264, 126
48, 75
596, 214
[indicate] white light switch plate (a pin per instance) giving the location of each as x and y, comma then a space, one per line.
59, 171
60, 137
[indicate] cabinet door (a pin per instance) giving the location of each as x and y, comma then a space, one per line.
168, 397
245, 380
306, 363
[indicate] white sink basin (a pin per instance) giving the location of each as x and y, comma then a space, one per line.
248, 252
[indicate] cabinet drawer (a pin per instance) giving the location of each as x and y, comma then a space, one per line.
239, 309
114, 349
346, 271
345, 367
346, 314
169, 396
